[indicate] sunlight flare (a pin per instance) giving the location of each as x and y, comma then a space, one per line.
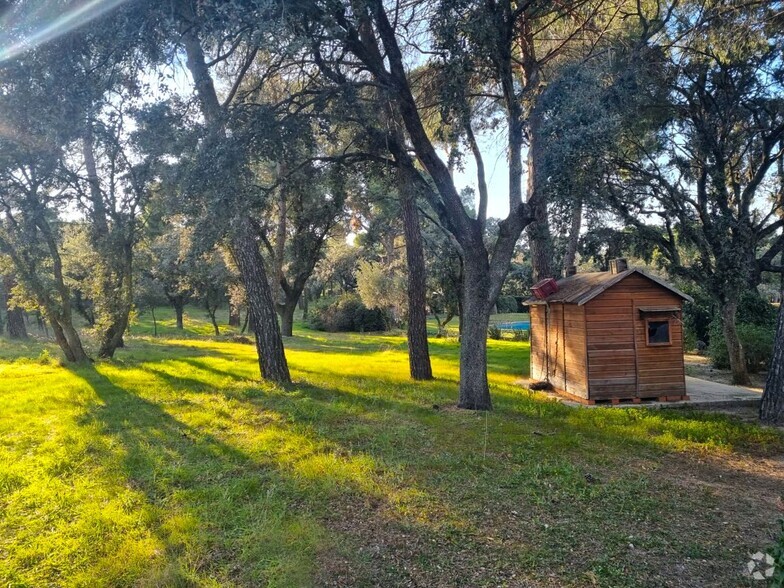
28, 25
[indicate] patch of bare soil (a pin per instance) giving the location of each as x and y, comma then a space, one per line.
373, 547
744, 498
699, 366
726, 508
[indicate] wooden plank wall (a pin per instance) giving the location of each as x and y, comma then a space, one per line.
555, 346
538, 350
575, 361
559, 332
610, 328
615, 330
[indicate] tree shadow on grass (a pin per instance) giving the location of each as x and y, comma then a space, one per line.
253, 510
220, 513
536, 461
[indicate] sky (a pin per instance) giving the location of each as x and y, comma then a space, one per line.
493, 147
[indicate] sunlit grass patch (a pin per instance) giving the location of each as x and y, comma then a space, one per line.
173, 465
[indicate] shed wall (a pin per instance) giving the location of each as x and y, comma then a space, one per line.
558, 347
538, 350
620, 361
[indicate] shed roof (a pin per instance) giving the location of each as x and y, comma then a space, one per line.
581, 288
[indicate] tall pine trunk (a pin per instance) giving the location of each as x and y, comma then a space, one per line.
539, 237
772, 404
474, 388
737, 357
418, 352
269, 343
570, 255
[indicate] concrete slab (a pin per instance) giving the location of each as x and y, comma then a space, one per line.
702, 394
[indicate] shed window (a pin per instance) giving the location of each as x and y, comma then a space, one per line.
658, 332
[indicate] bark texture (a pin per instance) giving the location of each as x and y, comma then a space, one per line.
772, 404
570, 255
179, 307
737, 357
474, 388
286, 312
269, 343
418, 352
539, 238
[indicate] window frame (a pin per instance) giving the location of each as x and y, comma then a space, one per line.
653, 319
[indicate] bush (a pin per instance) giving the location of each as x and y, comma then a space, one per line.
757, 341
521, 335
697, 316
754, 310
346, 313
493, 332
506, 304
700, 317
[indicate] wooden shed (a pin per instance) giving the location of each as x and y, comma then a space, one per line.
610, 336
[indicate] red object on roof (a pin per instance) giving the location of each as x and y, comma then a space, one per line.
545, 288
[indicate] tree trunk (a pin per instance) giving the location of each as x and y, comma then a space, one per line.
178, 309
418, 352
286, 312
16, 323
772, 404
75, 343
737, 357
570, 255
474, 389
539, 238
245, 322
269, 343
303, 304
213, 320
68, 339
15, 316
154, 322
112, 337
234, 316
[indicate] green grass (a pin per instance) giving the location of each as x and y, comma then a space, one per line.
173, 466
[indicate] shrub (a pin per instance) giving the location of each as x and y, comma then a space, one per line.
521, 335
506, 304
344, 314
493, 332
700, 316
754, 310
757, 341
697, 317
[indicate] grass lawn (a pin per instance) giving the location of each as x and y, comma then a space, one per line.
173, 466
